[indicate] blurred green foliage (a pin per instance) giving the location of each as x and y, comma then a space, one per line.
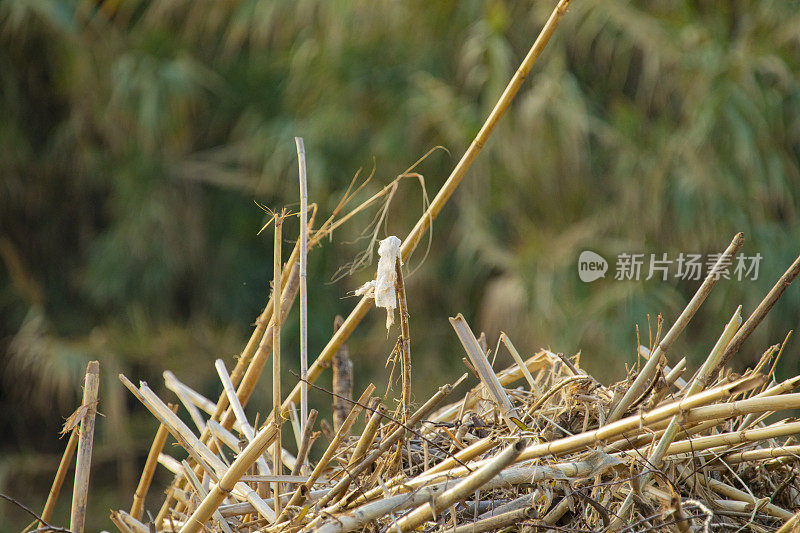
134, 137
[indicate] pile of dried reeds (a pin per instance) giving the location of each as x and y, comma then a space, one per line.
541, 445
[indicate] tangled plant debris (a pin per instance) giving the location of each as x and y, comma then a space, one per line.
539, 446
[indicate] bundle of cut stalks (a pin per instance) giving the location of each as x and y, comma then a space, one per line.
538, 446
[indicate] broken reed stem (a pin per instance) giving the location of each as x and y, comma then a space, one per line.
390, 441
277, 464
305, 444
463, 489
518, 359
253, 373
791, 525
253, 358
708, 371
127, 524
493, 523
303, 490
655, 458
137, 508
342, 368
405, 344
180, 391
58, 480
759, 313
83, 462
230, 479
444, 194
301, 162
201, 453
603, 433
238, 411
367, 437
201, 493
647, 373
484, 369
371, 429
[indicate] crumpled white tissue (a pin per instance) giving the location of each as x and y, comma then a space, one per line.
382, 287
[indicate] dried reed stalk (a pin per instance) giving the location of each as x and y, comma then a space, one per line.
367, 437
83, 461
58, 480
371, 429
201, 493
342, 381
259, 347
204, 457
230, 479
277, 421
385, 445
405, 343
760, 312
301, 162
305, 443
137, 508
731, 492
253, 358
485, 372
608, 431
703, 375
444, 194
128, 524
518, 359
303, 490
253, 373
463, 489
734, 438
647, 373
494, 523
792, 525
238, 411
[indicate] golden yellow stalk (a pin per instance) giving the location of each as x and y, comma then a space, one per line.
444, 194
137, 508
83, 462
61, 473
277, 464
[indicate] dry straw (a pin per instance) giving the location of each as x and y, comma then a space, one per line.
557, 451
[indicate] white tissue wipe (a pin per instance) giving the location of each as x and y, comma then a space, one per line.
382, 287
